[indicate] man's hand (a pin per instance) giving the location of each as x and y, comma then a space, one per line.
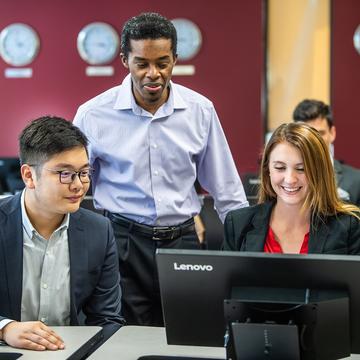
199, 228
33, 335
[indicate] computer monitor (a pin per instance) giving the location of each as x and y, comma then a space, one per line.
10, 178
196, 286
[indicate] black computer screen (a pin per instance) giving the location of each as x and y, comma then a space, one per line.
10, 178
195, 283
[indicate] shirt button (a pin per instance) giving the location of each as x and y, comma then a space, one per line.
159, 199
154, 146
45, 286
156, 172
43, 319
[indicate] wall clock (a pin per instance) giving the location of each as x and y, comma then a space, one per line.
98, 43
189, 38
356, 39
19, 44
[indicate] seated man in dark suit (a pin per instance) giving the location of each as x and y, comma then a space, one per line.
58, 262
318, 115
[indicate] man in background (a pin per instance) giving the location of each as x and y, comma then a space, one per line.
57, 261
318, 115
149, 140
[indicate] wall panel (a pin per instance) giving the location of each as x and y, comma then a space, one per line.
345, 80
229, 68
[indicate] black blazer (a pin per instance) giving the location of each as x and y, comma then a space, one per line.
348, 178
94, 273
246, 230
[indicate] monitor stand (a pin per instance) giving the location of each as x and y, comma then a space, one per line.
304, 323
263, 341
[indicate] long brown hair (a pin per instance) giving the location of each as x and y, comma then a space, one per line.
322, 198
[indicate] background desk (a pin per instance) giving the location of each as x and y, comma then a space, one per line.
131, 342
73, 336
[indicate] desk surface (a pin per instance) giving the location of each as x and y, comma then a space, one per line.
131, 342
73, 336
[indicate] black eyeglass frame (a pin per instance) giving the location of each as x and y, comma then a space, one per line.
72, 176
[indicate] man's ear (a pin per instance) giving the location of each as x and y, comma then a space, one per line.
332, 134
28, 176
124, 60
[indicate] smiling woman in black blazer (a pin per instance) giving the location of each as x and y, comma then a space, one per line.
299, 210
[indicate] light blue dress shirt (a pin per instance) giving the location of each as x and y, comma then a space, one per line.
46, 274
146, 165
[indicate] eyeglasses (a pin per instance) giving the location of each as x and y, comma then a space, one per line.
68, 176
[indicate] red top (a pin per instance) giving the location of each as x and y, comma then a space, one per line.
272, 246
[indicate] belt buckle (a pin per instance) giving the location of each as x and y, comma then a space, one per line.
157, 230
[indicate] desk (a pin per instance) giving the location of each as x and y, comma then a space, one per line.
131, 342
73, 336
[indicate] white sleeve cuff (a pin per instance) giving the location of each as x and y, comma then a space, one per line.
4, 322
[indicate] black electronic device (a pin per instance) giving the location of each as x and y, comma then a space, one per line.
10, 177
10, 356
316, 295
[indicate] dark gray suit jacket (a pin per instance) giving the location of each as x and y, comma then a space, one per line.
246, 230
348, 179
94, 273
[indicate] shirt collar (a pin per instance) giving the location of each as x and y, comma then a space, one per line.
126, 101
27, 225
178, 101
124, 96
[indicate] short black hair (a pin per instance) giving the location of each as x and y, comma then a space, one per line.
310, 109
47, 136
148, 26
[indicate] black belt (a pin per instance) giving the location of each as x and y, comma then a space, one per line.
154, 232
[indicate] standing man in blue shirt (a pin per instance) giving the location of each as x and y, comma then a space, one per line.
149, 140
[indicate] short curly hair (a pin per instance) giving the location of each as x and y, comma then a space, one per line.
148, 26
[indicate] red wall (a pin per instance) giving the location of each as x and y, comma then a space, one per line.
228, 68
345, 80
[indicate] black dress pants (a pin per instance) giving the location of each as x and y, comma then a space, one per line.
141, 303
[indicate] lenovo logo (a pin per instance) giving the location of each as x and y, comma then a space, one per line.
190, 267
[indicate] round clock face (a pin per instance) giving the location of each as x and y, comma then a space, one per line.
189, 38
357, 39
19, 44
98, 43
